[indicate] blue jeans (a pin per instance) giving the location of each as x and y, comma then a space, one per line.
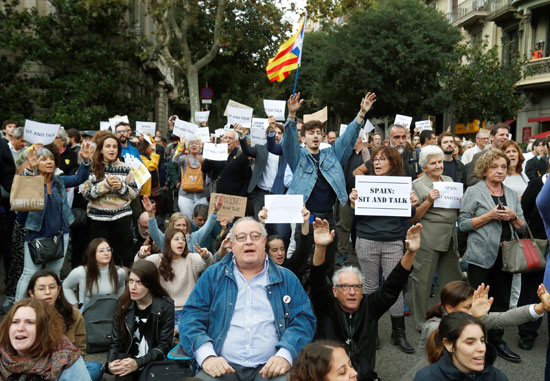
95, 370
29, 268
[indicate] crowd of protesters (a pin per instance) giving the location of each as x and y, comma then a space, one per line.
246, 299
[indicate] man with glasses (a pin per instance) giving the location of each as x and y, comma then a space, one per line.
344, 314
246, 316
482, 140
123, 132
232, 175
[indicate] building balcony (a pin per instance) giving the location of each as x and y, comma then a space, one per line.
468, 13
501, 11
537, 74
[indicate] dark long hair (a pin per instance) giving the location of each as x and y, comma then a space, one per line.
452, 294
98, 163
165, 268
62, 306
314, 361
148, 274
450, 328
393, 156
92, 270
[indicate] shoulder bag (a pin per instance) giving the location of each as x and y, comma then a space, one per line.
523, 255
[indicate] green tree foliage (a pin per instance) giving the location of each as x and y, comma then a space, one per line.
483, 88
396, 48
81, 62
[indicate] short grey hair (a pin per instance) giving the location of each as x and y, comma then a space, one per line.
243, 219
347, 269
398, 126
63, 135
43, 152
482, 131
236, 135
18, 132
427, 152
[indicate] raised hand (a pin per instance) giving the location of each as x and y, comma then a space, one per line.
322, 235
544, 297
239, 130
86, 151
32, 158
218, 203
481, 303
262, 215
147, 204
367, 102
225, 247
145, 250
412, 241
203, 252
294, 103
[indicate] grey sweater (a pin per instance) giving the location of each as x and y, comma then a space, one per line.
77, 279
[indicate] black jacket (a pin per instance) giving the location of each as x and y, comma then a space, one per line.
357, 330
445, 370
536, 167
159, 339
530, 210
460, 174
233, 175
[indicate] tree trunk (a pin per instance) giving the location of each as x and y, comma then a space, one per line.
192, 75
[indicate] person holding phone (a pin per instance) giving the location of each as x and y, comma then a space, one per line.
489, 212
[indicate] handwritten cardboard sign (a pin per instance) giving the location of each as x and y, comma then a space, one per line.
146, 128
403, 120
185, 129
321, 115
383, 196
450, 194
201, 116
241, 116
114, 121
275, 108
216, 152
233, 206
232, 103
282, 209
36, 132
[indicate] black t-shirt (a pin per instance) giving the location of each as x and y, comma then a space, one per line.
322, 197
138, 336
506, 234
449, 169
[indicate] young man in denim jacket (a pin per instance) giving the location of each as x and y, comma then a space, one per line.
318, 174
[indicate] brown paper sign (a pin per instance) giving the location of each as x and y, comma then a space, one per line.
233, 206
321, 115
232, 103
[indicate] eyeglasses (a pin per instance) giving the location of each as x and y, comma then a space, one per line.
380, 159
52, 287
121, 131
179, 239
105, 250
254, 236
346, 287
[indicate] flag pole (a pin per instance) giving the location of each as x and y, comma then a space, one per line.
296, 79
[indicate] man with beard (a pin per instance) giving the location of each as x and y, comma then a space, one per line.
452, 167
499, 135
123, 132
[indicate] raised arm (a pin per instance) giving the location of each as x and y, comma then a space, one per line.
290, 144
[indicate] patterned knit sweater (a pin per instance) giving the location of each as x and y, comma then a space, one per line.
106, 203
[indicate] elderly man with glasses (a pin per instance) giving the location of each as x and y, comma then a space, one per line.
247, 318
344, 314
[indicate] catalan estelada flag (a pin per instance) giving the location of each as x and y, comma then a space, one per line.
288, 57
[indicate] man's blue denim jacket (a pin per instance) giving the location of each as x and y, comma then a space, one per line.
207, 314
331, 161
33, 220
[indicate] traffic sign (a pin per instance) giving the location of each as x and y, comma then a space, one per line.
206, 101
207, 93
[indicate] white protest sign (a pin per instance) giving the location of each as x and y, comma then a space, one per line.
343, 128
185, 129
232, 103
36, 132
260, 122
423, 125
257, 136
324, 145
203, 133
140, 171
216, 152
450, 194
219, 132
241, 116
104, 126
284, 209
147, 139
275, 108
403, 120
114, 121
383, 196
201, 116
368, 126
146, 128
